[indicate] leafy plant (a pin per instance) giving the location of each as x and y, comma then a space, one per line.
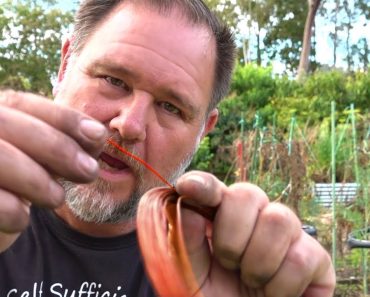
31, 40
203, 156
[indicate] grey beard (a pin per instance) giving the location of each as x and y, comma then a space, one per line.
92, 202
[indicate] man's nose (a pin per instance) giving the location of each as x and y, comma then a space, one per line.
133, 117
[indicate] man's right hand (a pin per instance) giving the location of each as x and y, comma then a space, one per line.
40, 141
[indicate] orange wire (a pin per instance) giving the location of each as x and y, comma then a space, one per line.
147, 166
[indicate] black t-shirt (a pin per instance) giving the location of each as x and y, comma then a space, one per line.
51, 259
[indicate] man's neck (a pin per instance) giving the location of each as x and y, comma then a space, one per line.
94, 229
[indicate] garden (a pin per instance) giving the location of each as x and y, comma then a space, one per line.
288, 137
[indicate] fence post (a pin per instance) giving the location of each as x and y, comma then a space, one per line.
333, 180
291, 131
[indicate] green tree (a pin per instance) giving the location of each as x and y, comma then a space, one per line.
226, 10
285, 32
283, 22
31, 33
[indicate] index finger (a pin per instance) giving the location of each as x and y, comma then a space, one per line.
89, 133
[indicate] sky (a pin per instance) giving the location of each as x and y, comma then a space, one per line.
361, 29
67, 4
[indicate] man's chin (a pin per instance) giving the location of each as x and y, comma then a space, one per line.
95, 202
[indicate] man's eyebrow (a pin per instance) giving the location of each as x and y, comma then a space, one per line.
114, 69
165, 91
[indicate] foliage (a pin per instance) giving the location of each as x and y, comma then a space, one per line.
261, 100
203, 157
31, 38
225, 11
358, 89
322, 151
285, 31
325, 87
252, 87
311, 99
257, 89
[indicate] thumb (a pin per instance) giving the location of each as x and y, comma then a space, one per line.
201, 195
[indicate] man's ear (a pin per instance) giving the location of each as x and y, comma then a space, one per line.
210, 122
65, 54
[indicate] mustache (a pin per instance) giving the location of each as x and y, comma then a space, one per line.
115, 152
133, 159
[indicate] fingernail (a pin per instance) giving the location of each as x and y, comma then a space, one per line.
87, 163
57, 192
196, 178
92, 129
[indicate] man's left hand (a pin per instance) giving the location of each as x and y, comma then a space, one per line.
254, 247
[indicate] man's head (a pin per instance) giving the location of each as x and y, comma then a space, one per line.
92, 13
152, 72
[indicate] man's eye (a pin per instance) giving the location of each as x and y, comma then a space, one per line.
117, 82
170, 108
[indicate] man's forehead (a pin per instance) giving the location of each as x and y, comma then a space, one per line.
170, 33
173, 12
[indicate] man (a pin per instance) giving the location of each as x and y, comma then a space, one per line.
152, 72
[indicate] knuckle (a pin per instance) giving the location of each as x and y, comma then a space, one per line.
11, 98
65, 160
10, 157
66, 117
24, 176
3, 117
277, 215
227, 255
56, 194
42, 192
249, 191
298, 257
38, 185
19, 221
255, 278
63, 147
